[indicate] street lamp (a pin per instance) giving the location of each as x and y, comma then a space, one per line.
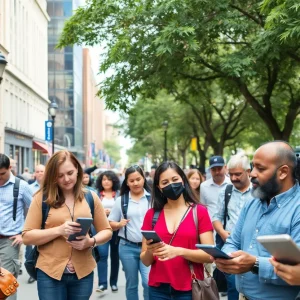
165, 127
3, 64
53, 107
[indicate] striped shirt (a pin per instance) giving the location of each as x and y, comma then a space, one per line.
8, 226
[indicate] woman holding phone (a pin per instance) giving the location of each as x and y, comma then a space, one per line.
64, 268
127, 216
170, 275
108, 185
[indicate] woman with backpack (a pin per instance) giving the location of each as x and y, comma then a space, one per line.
108, 185
173, 201
64, 269
127, 216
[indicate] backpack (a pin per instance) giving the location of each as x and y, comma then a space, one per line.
124, 207
16, 194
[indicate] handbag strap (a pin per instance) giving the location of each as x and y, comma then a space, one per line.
183, 217
195, 217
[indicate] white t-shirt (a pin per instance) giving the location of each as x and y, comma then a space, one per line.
108, 203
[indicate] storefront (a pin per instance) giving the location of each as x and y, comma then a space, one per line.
19, 147
25, 151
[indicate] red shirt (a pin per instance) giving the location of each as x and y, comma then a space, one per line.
176, 271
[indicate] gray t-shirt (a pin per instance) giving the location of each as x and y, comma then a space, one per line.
136, 213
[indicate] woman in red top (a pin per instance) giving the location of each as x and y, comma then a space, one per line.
170, 276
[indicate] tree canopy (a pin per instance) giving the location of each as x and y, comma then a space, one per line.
251, 51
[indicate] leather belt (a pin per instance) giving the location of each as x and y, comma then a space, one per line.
139, 244
5, 236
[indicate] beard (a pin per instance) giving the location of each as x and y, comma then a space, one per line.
268, 190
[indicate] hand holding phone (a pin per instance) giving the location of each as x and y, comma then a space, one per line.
85, 224
151, 235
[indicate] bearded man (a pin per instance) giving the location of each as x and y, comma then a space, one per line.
275, 209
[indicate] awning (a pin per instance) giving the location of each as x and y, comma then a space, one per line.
40, 146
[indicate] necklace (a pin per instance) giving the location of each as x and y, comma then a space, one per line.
71, 214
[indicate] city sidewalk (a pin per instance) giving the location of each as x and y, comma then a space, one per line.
29, 291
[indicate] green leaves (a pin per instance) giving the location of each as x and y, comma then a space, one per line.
152, 46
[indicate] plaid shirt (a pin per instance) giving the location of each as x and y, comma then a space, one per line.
8, 226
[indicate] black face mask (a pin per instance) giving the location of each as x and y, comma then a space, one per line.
173, 191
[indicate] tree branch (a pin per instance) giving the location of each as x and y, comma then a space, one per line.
257, 21
200, 78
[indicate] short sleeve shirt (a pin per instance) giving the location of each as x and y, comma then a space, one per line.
176, 271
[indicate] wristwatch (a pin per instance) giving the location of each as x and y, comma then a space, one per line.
255, 267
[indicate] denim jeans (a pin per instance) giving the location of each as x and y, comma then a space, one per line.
114, 261
166, 292
28, 249
130, 258
232, 293
68, 288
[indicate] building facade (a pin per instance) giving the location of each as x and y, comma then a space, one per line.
24, 89
65, 79
93, 113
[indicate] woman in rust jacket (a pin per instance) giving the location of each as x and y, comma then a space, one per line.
64, 269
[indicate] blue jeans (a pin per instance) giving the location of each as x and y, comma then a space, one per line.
130, 258
232, 293
28, 249
68, 288
114, 261
166, 292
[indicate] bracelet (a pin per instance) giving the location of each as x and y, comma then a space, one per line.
95, 243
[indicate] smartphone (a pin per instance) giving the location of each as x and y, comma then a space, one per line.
151, 235
213, 251
85, 224
282, 247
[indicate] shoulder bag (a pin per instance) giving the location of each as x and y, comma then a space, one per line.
202, 289
8, 283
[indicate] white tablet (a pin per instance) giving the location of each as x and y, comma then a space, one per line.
282, 248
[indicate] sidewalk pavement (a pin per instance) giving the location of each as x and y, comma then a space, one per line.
28, 291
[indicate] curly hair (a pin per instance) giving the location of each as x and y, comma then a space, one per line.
111, 176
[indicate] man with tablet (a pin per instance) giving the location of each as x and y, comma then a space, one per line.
275, 209
235, 196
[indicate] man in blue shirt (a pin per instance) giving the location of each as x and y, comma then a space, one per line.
10, 230
239, 171
275, 210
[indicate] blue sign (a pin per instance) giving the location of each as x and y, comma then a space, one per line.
48, 130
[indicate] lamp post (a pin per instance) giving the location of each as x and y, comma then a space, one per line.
3, 64
165, 127
52, 112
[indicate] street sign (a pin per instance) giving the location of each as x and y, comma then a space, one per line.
48, 130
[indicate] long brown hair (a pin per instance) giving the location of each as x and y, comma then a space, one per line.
50, 188
191, 173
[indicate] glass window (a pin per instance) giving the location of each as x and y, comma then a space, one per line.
69, 62
59, 98
58, 9
51, 81
51, 62
50, 10
59, 62
68, 9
